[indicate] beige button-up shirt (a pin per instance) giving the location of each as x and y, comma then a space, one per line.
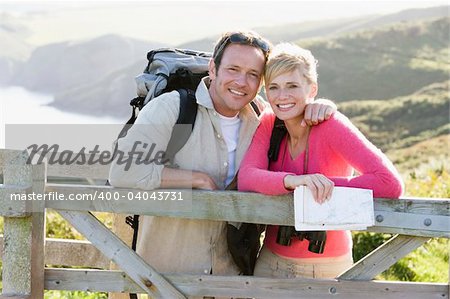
173, 244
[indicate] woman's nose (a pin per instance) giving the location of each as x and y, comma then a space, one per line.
284, 94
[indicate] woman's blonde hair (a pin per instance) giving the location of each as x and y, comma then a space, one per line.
287, 57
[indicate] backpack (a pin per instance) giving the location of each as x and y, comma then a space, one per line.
170, 69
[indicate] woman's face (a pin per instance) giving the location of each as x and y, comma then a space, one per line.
289, 93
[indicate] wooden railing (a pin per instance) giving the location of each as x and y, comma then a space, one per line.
26, 251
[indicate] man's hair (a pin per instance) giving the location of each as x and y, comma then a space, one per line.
249, 38
286, 57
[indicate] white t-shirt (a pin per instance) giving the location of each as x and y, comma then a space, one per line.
230, 129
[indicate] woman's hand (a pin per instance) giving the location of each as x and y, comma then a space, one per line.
321, 187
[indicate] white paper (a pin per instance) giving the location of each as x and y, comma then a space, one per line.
348, 209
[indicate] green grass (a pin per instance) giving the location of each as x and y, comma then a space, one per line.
74, 295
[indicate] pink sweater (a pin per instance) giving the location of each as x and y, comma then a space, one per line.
336, 148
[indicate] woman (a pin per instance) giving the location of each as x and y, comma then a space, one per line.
320, 158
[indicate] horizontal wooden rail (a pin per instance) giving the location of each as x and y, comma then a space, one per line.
66, 252
409, 216
246, 287
93, 171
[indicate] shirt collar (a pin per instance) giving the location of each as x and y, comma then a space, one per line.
202, 94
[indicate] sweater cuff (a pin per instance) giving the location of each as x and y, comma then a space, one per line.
277, 184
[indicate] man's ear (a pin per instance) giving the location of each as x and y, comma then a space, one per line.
212, 69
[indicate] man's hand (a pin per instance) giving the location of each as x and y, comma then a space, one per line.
201, 180
318, 111
181, 178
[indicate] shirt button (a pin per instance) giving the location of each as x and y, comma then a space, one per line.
206, 271
215, 113
219, 136
225, 164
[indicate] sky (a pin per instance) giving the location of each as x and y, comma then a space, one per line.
176, 22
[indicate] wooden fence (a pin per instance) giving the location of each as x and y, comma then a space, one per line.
26, 251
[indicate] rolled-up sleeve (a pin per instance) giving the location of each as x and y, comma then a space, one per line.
138, 163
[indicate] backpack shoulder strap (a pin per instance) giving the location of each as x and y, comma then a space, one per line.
187, 116
256, 108
278, 132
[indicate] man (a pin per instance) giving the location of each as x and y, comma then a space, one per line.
209, 160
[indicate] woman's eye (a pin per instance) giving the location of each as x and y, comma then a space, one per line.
272, 88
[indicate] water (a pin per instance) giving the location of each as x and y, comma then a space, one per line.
21, 106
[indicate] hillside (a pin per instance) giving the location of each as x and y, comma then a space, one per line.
403, 121
379, 64
14, 50
61, 66
331, 28
112, 93
433, 153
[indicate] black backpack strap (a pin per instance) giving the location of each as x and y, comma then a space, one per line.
136, 104
187, 116
256, 108
278, 132
133, 221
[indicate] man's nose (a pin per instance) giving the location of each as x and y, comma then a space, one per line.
241, 79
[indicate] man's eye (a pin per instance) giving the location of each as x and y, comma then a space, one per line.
273, 88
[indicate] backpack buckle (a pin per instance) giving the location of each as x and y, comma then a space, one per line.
137, 102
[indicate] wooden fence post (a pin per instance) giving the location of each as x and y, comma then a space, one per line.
38, 233
24, 235
17, 232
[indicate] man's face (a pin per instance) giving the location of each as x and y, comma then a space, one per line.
238, 78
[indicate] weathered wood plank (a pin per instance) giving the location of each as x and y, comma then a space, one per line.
17, 231
429, 222
38, 233
10, 206
115, 249
64, 252
416, 205
6, 154
230, 205
92, 170
246, 287
383, 257
241, 207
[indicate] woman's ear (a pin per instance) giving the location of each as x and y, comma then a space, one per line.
313, 91
212, 69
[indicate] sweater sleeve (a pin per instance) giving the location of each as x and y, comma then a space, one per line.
136, 165
375, 170
253, 173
